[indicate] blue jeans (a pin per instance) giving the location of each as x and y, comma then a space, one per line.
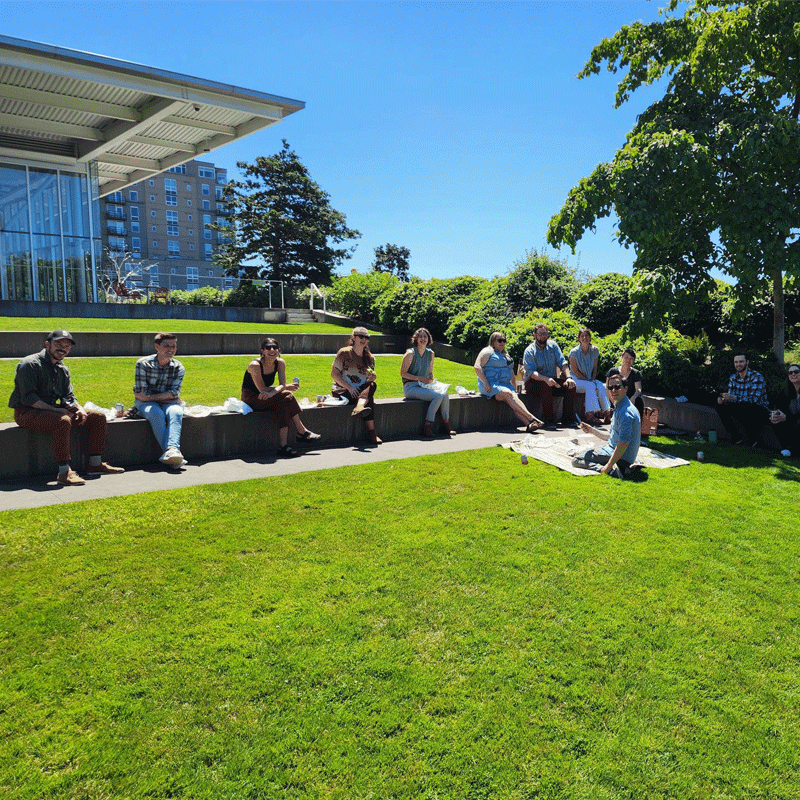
165, 419
439, 400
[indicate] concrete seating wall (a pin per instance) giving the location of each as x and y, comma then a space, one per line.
220, 436
12, 343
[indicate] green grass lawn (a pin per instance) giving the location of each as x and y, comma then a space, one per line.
454, 626
211, 379
75, 324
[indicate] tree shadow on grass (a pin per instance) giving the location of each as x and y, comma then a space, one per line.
732, 456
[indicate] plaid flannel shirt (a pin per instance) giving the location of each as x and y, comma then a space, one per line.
751, 389
154, 379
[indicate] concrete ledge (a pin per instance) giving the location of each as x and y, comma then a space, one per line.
17, 344
221, 436
686, 416
44, 308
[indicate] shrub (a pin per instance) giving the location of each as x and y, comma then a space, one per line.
356, 295
487, 312
430, 304
603, 303
563, 330
539, 281
246, 295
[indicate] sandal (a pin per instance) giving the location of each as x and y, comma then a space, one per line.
534, 426
286, 452
308, 436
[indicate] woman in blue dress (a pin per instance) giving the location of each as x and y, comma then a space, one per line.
495, 371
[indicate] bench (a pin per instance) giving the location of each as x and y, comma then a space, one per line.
130, 442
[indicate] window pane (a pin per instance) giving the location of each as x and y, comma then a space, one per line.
49, 267
74, 204
15, 264
44, 200
13, 198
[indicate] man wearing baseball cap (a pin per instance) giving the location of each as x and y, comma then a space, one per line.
43, 400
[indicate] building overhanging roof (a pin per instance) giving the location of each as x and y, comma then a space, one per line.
132, 121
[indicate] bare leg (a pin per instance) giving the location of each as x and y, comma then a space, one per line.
283, 436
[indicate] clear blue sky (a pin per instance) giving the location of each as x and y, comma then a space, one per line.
453, 129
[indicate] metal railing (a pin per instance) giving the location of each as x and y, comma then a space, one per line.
314, 289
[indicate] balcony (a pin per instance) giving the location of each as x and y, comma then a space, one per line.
115, 197
116, 230
115, 213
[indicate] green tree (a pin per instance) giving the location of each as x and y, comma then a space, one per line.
393, 259
539, 281
708, 176
603, 303
281, 224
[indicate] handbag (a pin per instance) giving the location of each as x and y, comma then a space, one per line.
649, 421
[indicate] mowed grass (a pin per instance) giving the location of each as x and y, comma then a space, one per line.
210, 380
457, 626
76, 324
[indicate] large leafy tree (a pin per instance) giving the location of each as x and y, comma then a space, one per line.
281, 225
708, 177
393, 259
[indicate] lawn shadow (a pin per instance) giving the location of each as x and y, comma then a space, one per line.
731, 456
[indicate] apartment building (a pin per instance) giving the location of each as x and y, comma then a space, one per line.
164, 222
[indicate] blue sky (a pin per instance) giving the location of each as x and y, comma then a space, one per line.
455, 129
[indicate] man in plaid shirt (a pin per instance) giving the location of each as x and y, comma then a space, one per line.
744, 408
157, 391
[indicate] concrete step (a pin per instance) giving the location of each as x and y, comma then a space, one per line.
294, 315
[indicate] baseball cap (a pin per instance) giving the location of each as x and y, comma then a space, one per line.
60, 334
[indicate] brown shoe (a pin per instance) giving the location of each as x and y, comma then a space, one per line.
104, 469
427, 430
71, 479
447, 429
374, 438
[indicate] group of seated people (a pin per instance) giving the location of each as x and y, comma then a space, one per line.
43, 398
745, 409
546, 374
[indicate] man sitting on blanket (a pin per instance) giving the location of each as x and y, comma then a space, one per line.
622, 440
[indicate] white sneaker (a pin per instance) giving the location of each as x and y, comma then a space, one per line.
786, 453
172, 457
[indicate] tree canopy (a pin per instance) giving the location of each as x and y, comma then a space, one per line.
393, 259
281, 225
708, 177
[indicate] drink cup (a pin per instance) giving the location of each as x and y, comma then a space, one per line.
296, 381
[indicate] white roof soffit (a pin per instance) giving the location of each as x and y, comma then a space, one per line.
133, 121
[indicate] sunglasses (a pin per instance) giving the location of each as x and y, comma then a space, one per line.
272, 347
362, 336
502, 341
794, 371
616, 387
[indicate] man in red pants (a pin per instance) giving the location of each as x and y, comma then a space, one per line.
43, 400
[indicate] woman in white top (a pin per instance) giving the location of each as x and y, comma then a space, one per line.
583, 361
416, 370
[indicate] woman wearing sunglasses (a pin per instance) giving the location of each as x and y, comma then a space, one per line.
495, 371
260, 394
353, 374
786, 418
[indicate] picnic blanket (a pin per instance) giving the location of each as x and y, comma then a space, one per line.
559, 451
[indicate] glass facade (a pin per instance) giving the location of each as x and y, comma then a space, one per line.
49, 233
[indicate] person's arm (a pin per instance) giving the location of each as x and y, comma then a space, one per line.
141, 390
175, 385
280, 368
638, 393
480, 363
404, 367
566, 372
573, 365
587, 428
430, 371
594, 364
254, 371
619, 451
337, 376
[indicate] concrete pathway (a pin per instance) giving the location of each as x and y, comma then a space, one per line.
44, 491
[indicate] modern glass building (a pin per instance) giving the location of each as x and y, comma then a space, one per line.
49, 232
76, 127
